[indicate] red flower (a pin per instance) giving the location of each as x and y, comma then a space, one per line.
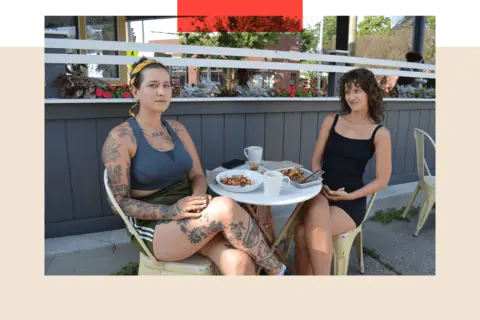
289, 89
127, 95
99, 92
305, 90
111, 88
282, 89
107, 95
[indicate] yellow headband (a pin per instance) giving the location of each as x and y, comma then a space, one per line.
139, 68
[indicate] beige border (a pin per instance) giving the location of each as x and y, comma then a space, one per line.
28, 291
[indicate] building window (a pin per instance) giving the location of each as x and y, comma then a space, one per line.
104, 29
178, 75
216, 74
67, 25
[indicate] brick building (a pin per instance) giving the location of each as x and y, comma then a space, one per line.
265, 78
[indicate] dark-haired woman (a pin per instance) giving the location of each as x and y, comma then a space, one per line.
345, 144
158, 181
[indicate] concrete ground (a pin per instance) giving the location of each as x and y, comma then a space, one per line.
391, 249
396, 251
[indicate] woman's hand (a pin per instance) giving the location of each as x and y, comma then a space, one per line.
189, 207
202, 194
338, 195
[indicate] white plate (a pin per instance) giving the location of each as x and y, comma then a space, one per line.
316, 182
257, 180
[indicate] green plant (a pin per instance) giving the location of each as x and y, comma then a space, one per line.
110, 91
393, 214
130, 269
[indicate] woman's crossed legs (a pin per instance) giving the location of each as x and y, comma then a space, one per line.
177, 240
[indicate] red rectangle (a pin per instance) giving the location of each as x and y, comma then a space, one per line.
240, 8
240, 24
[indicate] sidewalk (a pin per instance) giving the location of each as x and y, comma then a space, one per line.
391, 249
396, 250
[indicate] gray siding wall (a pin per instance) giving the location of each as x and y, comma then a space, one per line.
75, 200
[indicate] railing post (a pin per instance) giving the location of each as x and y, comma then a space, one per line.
341, 48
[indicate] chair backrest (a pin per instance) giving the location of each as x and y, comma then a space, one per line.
125, 219
420, 150
369, 206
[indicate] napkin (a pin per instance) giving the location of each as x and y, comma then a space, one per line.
274, 165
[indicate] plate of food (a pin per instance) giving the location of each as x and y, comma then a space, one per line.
298, 175
239, 180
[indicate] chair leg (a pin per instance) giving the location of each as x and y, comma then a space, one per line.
412, 200
341, 255
425, 210
359, 246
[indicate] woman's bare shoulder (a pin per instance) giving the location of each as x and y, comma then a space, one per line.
383, 134
328, 121
123, 131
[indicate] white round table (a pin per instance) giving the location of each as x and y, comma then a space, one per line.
289, 195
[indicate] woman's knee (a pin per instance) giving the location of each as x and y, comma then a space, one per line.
221, 208
237, 262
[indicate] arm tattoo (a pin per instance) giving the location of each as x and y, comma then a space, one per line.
147, 211
110, 150
120, 183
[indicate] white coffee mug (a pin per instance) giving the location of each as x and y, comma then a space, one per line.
254, 154
272, 183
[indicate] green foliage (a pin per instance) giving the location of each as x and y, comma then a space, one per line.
431, 22
329, 29
252, 40
379, 25
393, 214
131, 269
224, 38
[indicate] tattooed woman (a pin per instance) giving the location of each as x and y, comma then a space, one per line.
158, 181
345, 144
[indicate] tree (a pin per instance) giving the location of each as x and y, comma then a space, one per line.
431, 22
224, 38
329, 32
379, 25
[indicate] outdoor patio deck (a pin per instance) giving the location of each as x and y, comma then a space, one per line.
220, 127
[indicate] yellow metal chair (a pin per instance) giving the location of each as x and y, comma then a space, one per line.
148, 265
426, 182
342, 245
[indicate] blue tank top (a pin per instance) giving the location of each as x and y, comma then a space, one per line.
151, 169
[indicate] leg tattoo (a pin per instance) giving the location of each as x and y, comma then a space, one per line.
252, 242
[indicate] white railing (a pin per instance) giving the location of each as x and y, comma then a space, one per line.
225, 63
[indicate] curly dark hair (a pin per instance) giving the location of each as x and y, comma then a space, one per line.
365, 79
139, 78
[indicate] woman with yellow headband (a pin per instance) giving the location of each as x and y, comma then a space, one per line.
157, 179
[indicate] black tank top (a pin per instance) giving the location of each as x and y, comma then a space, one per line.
345, 160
